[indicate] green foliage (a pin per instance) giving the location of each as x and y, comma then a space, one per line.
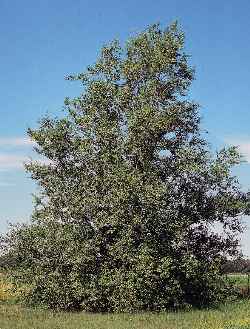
128, 201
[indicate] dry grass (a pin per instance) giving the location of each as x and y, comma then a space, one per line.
5, 289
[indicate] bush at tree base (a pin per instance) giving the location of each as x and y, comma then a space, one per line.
130, 196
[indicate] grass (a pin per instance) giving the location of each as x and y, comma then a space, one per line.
240, 280
230, 316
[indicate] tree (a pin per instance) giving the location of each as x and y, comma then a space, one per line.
129, 199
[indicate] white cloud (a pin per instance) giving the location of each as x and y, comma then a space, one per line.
16, 162
245, 150
14, 158
10, 161
15, 141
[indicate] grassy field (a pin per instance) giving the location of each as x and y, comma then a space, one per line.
231, 316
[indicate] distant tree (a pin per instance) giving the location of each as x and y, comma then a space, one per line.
131, 197
237, 265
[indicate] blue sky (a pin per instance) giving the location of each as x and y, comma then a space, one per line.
42, 41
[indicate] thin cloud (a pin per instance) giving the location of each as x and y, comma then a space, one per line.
245, 150
9, 161
16, 141
16, 162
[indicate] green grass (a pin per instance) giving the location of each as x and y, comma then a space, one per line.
230, 316
240, 280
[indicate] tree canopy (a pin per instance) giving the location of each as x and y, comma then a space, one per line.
132, 197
